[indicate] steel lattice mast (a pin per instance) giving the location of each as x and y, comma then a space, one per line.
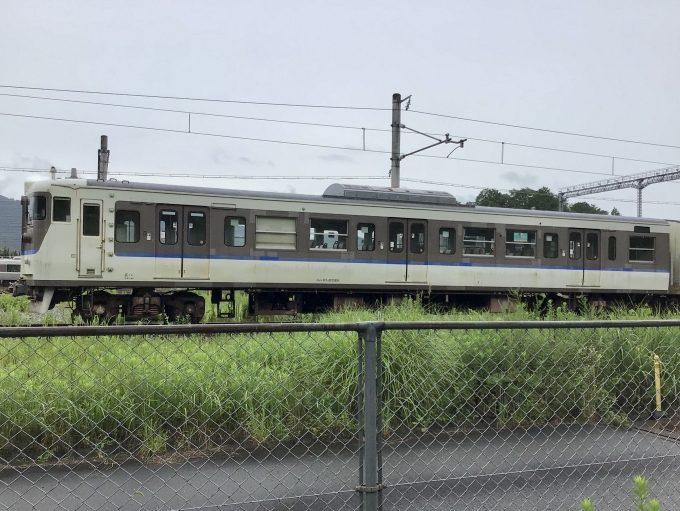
637, 181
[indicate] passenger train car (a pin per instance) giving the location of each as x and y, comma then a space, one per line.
9, 271
140, 250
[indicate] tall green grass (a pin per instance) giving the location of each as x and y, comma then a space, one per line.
150, 395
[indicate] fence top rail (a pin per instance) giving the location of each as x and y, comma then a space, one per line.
379, 326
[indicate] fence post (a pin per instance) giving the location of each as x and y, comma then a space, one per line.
370, 462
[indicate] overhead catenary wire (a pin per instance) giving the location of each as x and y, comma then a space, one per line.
323, 125
189, 98
337, 107
545, 130
303, 144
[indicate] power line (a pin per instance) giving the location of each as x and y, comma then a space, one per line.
336, 107
336, 126
190, 112
304, 144
187, 98
544, 130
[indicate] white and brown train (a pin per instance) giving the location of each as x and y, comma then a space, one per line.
141, 250
10, 268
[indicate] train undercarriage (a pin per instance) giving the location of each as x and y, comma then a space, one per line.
183, 305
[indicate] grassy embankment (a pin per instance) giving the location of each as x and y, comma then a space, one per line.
152, 395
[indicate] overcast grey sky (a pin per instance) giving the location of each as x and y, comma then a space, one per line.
606, 68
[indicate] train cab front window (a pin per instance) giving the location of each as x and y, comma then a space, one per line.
39, 211
61, 209
168, 227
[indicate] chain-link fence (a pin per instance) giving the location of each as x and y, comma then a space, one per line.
499, 415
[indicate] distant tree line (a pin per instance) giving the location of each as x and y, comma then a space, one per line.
5, 252
527, 198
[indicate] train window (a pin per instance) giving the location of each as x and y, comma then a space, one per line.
592, 246
575, 245
91, 220
520, 243
641, 249
479, 241
127, 226
275, 233
168, 227
39, 207
235, 231
612, 248
550, 245
61, 209
396, 237
366, 237
327, 234
197, 227
13, 268
417, 238
447, 240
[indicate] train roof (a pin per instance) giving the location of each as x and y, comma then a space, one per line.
352, 194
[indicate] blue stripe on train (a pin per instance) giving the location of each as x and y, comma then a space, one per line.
382, 261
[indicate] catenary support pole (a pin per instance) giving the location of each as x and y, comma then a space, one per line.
396, 139
639, 194
103, 163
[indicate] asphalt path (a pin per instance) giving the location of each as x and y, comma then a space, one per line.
549, 468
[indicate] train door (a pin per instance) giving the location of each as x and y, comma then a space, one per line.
182, 247
196, 254
592, 262
91, 239
396, 250
406, 250
169, 242
584, 255
416, 264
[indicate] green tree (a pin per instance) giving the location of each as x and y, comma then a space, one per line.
492, 198
524, 198
615, 212
584, 207
6, 252
527, 198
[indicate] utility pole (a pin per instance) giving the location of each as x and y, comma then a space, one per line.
396, 139
103, 165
